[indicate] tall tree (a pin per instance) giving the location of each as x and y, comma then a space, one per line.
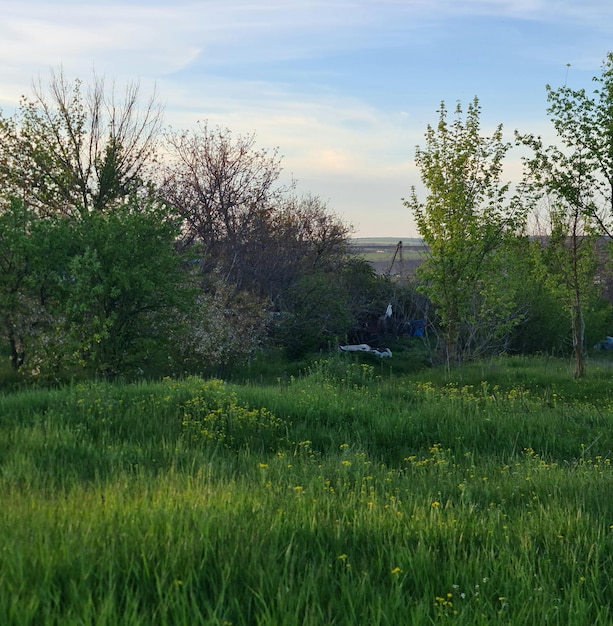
562, 182
86, 245
255, 232
465, 221
222, 186
577, 178
584, 162
71, 150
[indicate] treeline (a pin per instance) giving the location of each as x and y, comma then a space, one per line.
492, 284
128, 247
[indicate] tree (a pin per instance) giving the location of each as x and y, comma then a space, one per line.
223, 187
315, 314
33, 256
226, 327
576, 177
127, 286
92, 275
584, 127
69, 153
257, 240
255, 231
105, 292
305, 237
567, 257
80, 161
466, 221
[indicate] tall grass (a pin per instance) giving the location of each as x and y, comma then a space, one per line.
343, 496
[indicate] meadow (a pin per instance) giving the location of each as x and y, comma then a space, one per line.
346, 494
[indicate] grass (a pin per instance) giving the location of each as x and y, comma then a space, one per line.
345, 495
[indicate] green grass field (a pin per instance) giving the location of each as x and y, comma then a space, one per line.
346, 495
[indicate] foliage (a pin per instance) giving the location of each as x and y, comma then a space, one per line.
315, 314
126, 283
368, 295
466, 221
225, 327
544, 295
577, 181
583, 167
93, 277
253, 231
91, 271
544, 329
112, 262
34, 255
322, 309
96, 293
70, 151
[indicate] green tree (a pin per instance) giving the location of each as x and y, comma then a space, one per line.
315, 314
88, 249
127, 287
107, 292
34, 253
565, 258
466, 222
581, 171
576, 178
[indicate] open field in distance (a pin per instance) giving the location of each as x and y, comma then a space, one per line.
386, 256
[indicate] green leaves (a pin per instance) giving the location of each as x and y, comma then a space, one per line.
70, 151
33, 260
465, 220
102, 292
581, 172
574, 180
126, 279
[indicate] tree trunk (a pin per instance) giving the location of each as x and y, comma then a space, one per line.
577, 322
18, 354
578, 326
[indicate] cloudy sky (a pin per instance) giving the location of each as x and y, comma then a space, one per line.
344, 88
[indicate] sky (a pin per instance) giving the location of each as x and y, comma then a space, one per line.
345, 89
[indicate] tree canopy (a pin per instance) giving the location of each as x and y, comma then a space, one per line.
466, 220
115, 258
128, 247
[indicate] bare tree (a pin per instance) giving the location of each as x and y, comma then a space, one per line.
304, 237
71, 150
254, 231
222, 186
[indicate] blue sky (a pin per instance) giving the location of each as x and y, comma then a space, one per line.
344, 88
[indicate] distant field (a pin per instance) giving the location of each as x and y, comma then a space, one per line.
380, 252
387, 241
